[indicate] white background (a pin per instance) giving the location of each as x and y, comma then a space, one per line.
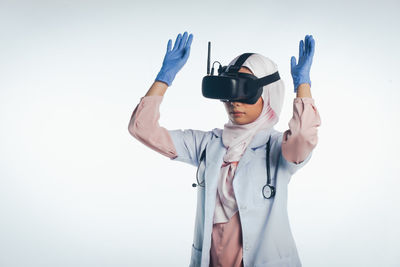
76, 189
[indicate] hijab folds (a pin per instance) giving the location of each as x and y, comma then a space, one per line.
236, 137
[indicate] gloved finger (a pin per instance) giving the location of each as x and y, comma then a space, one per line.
301, 49
292, 62
169, 45
177, 41
183, 40
187, 53
306, 45
312, 46
189, 42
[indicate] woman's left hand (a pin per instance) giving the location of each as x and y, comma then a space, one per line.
301, 71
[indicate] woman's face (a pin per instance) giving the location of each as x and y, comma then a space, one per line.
248, 112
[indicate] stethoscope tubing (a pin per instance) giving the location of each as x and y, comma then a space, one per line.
268, 189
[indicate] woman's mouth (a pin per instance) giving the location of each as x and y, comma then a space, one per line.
237, 114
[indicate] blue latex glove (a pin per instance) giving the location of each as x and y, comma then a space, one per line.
175, 59
301, 71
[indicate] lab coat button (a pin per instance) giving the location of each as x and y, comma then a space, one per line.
243, 207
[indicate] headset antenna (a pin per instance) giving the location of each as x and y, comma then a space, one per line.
208, 59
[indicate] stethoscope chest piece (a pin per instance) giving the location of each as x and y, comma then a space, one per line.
268, 191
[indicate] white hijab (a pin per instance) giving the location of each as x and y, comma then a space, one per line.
236, 137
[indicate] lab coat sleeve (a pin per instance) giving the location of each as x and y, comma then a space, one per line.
190, 144
144, 127
301, 138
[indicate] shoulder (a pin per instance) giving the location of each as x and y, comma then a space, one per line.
192, 135
217, 132
275, 134
276, 137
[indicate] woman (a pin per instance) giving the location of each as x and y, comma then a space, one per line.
235, 224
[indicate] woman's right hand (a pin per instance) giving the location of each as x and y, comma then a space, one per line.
175, 59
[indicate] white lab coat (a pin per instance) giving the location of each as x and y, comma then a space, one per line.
267, 238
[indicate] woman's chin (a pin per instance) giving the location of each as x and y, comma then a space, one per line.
238, 121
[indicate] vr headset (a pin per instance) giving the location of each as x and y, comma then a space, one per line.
233, 86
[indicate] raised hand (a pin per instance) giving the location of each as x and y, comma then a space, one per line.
175, 59
301, 71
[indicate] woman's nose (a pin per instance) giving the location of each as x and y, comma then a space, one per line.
236, 103
233, 103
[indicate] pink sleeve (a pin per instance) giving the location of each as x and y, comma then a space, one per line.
302, 137
145, 128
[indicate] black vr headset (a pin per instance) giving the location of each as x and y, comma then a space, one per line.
233, 86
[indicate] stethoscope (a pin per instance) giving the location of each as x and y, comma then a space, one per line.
268, 189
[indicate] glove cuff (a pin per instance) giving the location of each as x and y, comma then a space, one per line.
297, 83
166, 77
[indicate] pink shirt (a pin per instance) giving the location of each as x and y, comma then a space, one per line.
298, 141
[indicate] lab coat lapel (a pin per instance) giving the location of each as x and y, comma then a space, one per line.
214, 159
248, 155
260, 139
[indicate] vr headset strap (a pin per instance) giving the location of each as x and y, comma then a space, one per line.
239, 62
268, 79
260, 82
